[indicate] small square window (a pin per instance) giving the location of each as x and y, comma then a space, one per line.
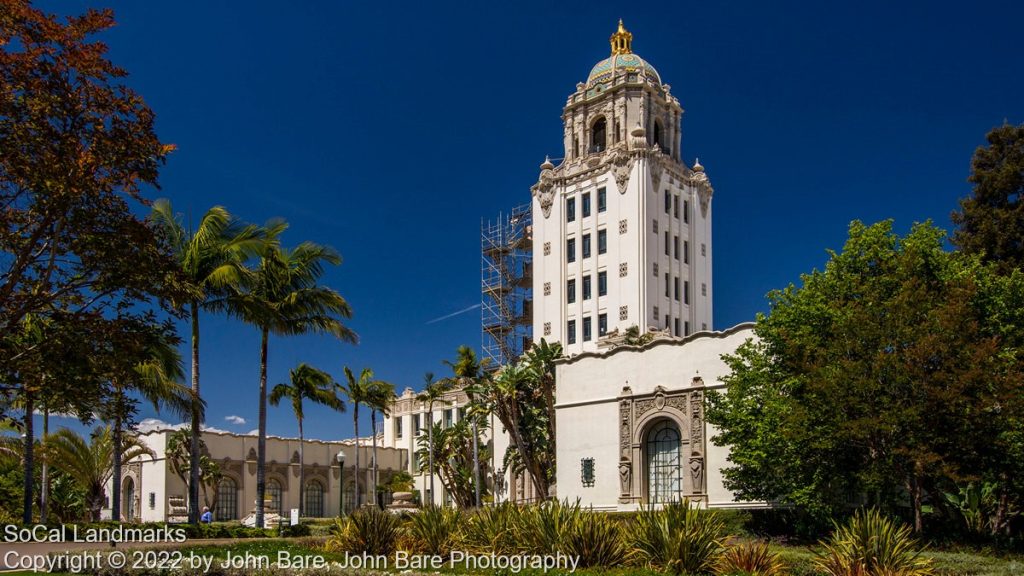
703, 289
655, 269
547, 288
623, 226
547, 248
570, 329
623, 313
602, 199
547, 328
703, 249
654, 226
587, 472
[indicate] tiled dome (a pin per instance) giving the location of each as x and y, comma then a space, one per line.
607, 68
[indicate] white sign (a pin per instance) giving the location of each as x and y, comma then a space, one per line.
295, 516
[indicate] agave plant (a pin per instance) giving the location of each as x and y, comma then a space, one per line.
871, 544
435, 530
751, 559
370, 530
679, 537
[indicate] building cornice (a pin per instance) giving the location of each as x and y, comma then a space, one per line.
704, 334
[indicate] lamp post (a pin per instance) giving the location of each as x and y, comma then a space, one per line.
341, 484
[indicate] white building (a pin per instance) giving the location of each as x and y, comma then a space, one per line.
621, 227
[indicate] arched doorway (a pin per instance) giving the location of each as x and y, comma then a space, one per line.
663, 455
128, 500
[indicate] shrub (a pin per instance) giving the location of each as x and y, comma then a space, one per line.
369, 530
546, 526
751, 559
596, 539
870, 544
434, 530
295, 530
679, 537
494, 529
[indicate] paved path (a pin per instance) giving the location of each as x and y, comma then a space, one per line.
21, 550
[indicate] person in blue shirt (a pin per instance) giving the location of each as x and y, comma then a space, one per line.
207, 517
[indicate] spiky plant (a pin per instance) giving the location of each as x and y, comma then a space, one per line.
435, 530
871, 544
370, 530
495, 529
751, 559
679, 537
547, 525
596, 539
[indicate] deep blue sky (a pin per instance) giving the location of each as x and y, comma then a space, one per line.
387, 130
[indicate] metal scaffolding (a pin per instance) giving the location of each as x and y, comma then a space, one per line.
506, 285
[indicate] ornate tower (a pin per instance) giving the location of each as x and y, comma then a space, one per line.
622, 227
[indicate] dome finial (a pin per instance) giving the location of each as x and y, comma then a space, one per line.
622, 41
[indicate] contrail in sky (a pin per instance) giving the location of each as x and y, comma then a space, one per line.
453, 314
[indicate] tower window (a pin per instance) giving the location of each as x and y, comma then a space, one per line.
668, 201
686, 251
676, 284
686, 211
675, 206
570, 250
675, 246
586, 246
570, 291
657, 133
602, 199
675, 327
686, 292
686, 326
666, 243
599, 135
667, 283
570, 336
586, 204
602, 241
586, 329
586, 287
570, 209
618, 131
602, 283
602, 324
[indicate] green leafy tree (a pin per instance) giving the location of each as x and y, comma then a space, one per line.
991, 220
282, 296
870, 378
91, 462
306, 383
469, 375
433, 393
458, 456
210, 259
179, 446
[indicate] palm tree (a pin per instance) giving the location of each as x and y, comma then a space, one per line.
467, 374
91, 464
282, 297
307, 383
157, 379
211, 259
382, 395
433, 393
356, 392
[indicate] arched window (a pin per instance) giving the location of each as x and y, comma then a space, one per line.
128, 500
657, 134
227, 500
664, 463
274, 494
599, 135
314, 499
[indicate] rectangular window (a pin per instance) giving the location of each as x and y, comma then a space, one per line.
675, 328
602, 199
668, 293
586, 246
570, 250
676, 284
668, 201
602, 283
586, 204
703, 289
675, 206
666, 243
586, 329
416, 424
462, 413
686, 292
587, 472
570, 209
602, 324
668, 321
570, 291
586, 287
448, 418
398, 427
687, 328
686, 251
675, 247
686, 210
602, 241
570, 329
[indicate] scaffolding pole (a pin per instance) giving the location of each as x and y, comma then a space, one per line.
506, 286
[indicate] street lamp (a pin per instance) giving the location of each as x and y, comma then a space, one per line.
341, 484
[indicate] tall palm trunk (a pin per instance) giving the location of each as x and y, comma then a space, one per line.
373, 430
355, 425
44, 481
115, 498
29, 458
430, 442
302, 472
193, 457
261, 442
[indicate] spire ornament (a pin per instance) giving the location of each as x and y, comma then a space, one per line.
622, 41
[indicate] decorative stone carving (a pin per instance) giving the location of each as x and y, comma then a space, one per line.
623, 312
547, 328
547, 248
625, 476
295, 457
623, 270
697, 422
625, 427
623, 226
697, 474
622, 167
544, 190
547, 288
